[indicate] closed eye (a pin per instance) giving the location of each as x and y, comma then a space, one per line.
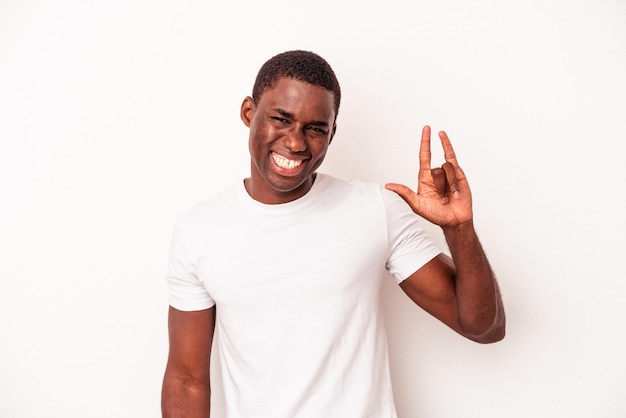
317, 129
279, 119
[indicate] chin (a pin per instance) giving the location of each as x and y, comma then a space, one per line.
289, 184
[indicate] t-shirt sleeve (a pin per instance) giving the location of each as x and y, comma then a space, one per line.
410, 247
186, 292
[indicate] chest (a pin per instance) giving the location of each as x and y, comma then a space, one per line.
332, 255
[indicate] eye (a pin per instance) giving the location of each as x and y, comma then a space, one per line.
279, 119
317, 130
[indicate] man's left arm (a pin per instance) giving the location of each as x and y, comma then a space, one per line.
461, 291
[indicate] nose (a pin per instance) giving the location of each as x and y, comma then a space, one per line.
295, 140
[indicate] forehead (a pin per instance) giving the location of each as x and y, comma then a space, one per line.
295, 96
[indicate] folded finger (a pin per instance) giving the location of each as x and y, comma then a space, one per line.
439, 178
451, 179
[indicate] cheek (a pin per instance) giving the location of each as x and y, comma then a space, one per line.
262, 134
320, 146
319, 152
257, 138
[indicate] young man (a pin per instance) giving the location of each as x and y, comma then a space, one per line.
285, 267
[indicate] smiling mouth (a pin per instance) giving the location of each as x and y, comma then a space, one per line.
286, 163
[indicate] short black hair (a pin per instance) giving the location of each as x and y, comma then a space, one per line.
300, 65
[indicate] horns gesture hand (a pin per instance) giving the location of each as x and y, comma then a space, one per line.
443, 195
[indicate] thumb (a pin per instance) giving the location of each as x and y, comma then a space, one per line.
403, 191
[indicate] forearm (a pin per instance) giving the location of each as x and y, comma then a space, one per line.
478, 298
181, 398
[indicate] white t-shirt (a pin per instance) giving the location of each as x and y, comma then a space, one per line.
299, 327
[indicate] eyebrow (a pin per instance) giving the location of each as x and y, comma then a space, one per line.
289, 115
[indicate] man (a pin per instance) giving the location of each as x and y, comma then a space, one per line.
285, 267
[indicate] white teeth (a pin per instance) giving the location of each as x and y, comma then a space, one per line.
285, 163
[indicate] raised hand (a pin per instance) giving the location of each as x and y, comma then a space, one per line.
443, 195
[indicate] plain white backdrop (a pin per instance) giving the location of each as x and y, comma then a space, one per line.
117, 115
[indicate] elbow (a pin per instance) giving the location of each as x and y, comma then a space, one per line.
497, 333
486, 332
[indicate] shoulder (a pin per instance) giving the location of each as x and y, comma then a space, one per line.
218, 204
353, 186
364, 188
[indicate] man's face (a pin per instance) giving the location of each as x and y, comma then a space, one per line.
291, 127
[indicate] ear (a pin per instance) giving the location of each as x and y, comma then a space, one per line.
247, 110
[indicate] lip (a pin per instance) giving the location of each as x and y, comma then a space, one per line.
289, 166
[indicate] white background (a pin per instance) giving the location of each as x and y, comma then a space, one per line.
117, 115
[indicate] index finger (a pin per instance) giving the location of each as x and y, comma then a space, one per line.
425, 154
448, 151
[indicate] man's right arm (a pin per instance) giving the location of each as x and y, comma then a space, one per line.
186, 388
